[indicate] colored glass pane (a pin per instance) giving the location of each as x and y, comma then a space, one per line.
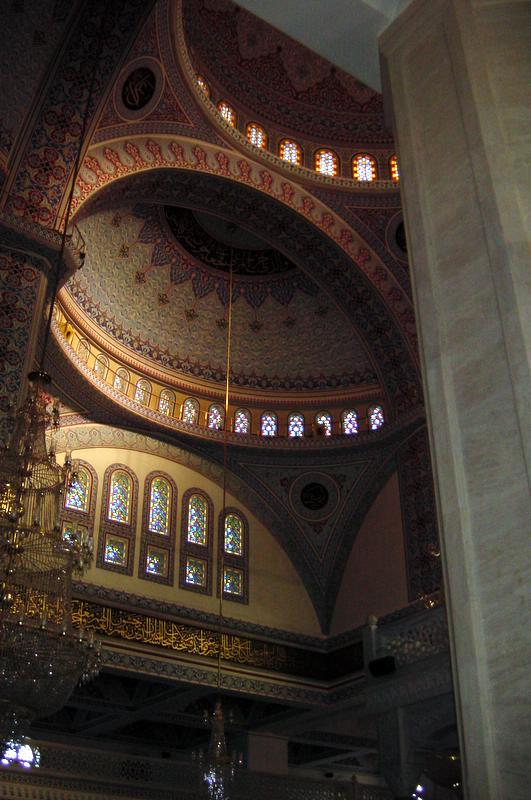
196, 571
215, 418
395, 169
197, 520
74, 534
233, 581
256, 135
166, 402
156, 562
233, 540
203, 85
350, 422
83, 350
190, 410
142, 392
227, 113
242, 421
290, 151
101, 366
326, 162
268, 425
324, 421
376, 418
363, 168
115, 551
159, 506
121, 380
78, 493
296, 425
119, 498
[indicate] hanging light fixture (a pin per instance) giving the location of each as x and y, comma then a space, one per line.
42, 657
218, 767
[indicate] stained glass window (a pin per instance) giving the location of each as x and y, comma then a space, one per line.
197, 531
295, 425
143, 392
215, 417
78, 493
394, 168
233, 538
290, 151
119, 508
101, 366
196, 571
121, 380
227, 113
242, 421
256, 135
324, 421
156, 561
233, 580
350, 422
83, 350
268, 424
159, 506
376, 417
326, 162
363, 168
190, 411
203, 85
73, 533
115, 550
167, 402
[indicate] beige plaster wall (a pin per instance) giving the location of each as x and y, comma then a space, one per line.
374, 581
277, 596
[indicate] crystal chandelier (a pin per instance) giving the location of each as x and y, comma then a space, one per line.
218, 768
41, 657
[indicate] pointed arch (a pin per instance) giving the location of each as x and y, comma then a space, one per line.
118, 519
195, 569
233, 555
157, 551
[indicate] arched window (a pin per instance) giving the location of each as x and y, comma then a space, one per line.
158, 529
167, 402
349, 422
121, 380
364, 168
289, 150
118, 519
78, 493
196, 542
228, 113
101, 366
233, 555
394, 169
323, 421
190, 411
143, 392
376, 418
215, 417
326, 162
203, 85
77, 517
256, 135
295, 425
268, 424
242, 421
119, 505
83, 350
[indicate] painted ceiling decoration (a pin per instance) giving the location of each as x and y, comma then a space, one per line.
279, 79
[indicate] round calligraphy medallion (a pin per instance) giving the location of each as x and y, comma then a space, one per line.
138, 88
314, 496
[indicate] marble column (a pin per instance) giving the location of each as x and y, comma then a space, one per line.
456, 76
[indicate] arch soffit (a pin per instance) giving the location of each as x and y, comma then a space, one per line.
299, 225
